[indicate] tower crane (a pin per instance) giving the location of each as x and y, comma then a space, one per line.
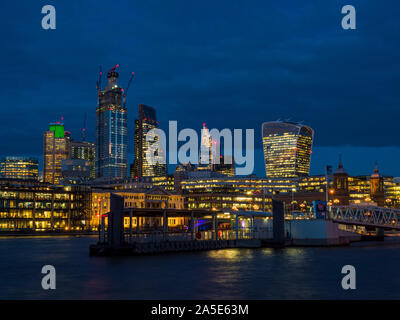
127, 88
98, 85
114, 68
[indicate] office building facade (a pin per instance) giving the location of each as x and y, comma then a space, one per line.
35, 206
111, 131
142, 167
24, 168
225, 166
55, 150
287, 149
83, 150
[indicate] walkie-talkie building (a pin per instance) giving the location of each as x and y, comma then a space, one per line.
287, 149
111, 131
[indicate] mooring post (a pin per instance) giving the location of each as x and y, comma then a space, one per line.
192, 224
130, 225
278, 222
213, 227
380, 233
102, 230
237, 227
216, 226
115, 221
165, 224
137, 227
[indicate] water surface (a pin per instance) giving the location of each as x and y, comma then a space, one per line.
291, 273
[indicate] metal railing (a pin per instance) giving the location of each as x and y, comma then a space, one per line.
366, 216
158, 236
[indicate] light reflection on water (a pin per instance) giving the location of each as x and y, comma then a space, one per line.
230, 255
291, 273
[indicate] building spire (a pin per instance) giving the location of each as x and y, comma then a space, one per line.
340, 161
376, 167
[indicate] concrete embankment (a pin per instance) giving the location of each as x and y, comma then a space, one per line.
45, 234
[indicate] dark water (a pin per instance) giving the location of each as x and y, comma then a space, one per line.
292, 273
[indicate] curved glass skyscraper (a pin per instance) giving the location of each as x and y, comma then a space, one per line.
287, 148
141, 166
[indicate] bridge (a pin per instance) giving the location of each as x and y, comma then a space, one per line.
368, 216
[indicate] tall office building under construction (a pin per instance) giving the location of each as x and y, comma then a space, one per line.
111, 130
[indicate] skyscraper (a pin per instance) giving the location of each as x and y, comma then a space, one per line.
54, 151
225, 166
141, 166
25, 168
83, 150
287, 148
205, 158
111, 130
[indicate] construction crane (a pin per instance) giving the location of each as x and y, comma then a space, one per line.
114, 68
84, 128
127, 88
98, 85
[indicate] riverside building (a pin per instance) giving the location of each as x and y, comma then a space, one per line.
34, 206
24, 168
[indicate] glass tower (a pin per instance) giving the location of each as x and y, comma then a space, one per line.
55, 150
111, 131
287, 149
205, 159
83, 150
141, 167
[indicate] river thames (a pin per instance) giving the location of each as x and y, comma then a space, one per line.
291, 273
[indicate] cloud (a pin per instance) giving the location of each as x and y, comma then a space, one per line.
229, 64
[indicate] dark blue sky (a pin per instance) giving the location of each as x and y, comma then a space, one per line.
231, 64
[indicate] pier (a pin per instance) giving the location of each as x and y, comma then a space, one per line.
125, 231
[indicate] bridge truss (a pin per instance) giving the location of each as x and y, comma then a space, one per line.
372, 216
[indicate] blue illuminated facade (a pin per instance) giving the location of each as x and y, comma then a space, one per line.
111, 131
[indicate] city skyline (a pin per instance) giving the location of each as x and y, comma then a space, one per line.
324, 156
254, 158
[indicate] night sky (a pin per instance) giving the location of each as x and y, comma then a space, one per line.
231, 64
